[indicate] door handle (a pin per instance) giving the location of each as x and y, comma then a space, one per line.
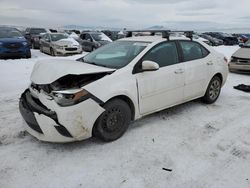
179, 71
210, 63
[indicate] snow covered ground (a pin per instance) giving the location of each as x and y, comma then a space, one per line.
204, 145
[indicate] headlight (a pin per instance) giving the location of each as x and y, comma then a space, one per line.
1, 43
70, 97
58, 47
25, 43
97, 45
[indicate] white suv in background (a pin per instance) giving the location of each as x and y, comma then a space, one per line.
101, 93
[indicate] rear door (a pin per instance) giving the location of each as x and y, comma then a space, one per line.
164, 87
197, 62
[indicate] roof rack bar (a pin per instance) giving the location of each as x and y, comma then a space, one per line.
165, 33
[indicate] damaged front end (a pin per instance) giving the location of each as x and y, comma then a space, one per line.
61, 111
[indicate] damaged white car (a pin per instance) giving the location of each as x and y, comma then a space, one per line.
101, 93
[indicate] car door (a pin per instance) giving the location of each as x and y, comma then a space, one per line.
196, 61
164, 87
42, 42
46, 43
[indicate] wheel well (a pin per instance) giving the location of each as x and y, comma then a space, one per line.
220, 76
128, 101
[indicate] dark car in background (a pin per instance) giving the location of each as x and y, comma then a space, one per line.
92, 40
113, 35
228, 39
212, 40
33, 36
13, 44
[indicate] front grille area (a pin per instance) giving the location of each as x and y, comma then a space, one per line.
70, 49
13, 45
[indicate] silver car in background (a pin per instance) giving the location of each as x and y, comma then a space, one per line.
59, 44
240, 61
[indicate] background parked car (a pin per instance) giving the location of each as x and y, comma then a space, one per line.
13, 44
227, 38
113, 35
240, 61
212, 40
59, 44
92, 40
196, 36
33, 36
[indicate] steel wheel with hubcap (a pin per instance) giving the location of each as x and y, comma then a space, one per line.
52, 52
113, 123
213, 90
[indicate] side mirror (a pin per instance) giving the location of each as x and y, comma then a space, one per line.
150, 66
89, 40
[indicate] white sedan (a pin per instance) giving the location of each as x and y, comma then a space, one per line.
101, 93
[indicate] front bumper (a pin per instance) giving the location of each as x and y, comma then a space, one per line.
20, 52
67, 52
49, 122
239, 67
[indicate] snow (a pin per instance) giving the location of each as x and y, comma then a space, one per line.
204, 145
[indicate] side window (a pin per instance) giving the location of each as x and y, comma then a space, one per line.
88, 37
191, 50
164, 54
83, 36
46, 37
205, 52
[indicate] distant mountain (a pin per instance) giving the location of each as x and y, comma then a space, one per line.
156, 27
80, 27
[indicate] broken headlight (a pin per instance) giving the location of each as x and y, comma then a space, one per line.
70, 97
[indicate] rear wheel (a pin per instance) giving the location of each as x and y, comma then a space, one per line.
114, 122
213, 90
28, 55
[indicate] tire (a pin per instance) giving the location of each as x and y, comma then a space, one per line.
213, 90
41, 48
52, 52
114, 122
28, 56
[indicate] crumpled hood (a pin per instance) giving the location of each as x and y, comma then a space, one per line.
48, 71
242, 53
69, 42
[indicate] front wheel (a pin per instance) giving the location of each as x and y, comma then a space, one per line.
52, 52
114, 122
213, 90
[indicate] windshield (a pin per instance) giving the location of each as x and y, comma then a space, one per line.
56, 37
10, 33
100, 37
115, 55
37, 31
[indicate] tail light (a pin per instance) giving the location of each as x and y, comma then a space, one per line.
225, 60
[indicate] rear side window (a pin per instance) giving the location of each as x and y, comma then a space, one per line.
164, 54
193, 50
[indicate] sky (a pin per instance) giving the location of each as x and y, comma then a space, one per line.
177, 14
